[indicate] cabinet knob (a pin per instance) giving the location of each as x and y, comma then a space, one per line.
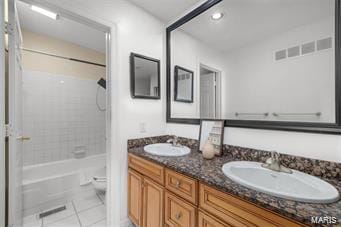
177, 184
178, 215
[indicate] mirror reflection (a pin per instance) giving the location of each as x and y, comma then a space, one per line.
251, 61
183, 79
145, 77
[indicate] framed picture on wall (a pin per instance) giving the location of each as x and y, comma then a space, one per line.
183, 84
211, 135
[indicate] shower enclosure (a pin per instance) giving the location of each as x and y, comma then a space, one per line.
67, 137
57, 118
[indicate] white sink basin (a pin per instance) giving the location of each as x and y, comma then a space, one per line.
166, 149
297, 186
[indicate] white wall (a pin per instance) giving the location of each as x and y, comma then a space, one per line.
189, 53
303, 84
318, 146
61, 117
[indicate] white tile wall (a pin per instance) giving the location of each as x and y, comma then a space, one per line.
60, 115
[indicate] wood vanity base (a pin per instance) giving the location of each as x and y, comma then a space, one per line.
159, 197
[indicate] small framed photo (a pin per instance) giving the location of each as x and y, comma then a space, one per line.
212, 132
183, 86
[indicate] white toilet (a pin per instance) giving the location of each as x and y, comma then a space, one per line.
99, 180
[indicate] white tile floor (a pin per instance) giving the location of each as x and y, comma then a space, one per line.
86, 210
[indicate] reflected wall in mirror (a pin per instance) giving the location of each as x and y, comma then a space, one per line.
260, 61
144, 76
183, 84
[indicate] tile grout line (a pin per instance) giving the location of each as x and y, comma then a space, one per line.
96, 222
79, 221
81, 211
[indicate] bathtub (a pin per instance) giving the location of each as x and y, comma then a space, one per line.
55, 183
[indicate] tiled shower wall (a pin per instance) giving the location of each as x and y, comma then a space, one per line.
61, 116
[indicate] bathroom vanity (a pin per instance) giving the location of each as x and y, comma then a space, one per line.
160, 195
191, 191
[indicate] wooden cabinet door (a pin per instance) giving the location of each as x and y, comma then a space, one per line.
135, 182
152, 204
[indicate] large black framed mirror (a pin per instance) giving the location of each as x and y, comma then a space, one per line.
259, 64
144, 77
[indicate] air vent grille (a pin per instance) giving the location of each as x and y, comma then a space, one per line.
324, 44
303, 49
281, 54
308, 48
293, 51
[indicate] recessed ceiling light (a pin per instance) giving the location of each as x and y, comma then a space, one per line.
217, 16
44, 12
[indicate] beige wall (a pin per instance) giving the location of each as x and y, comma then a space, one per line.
44, 63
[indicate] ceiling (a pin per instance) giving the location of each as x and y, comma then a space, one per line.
246, 21
165, 10
62, 28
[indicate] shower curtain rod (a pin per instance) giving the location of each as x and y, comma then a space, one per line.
67, 58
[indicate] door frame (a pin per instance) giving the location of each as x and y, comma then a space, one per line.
217, 88
110, 33
2, 117
13, 144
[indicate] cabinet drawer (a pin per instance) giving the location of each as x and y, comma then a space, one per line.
237, 212
182, 185
179, 213
147, 168
205, 220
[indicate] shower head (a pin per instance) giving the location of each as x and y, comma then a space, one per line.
101, 82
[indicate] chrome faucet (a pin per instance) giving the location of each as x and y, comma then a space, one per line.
274, 163
174, 141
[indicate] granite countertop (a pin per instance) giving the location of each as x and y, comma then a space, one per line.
209, 172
